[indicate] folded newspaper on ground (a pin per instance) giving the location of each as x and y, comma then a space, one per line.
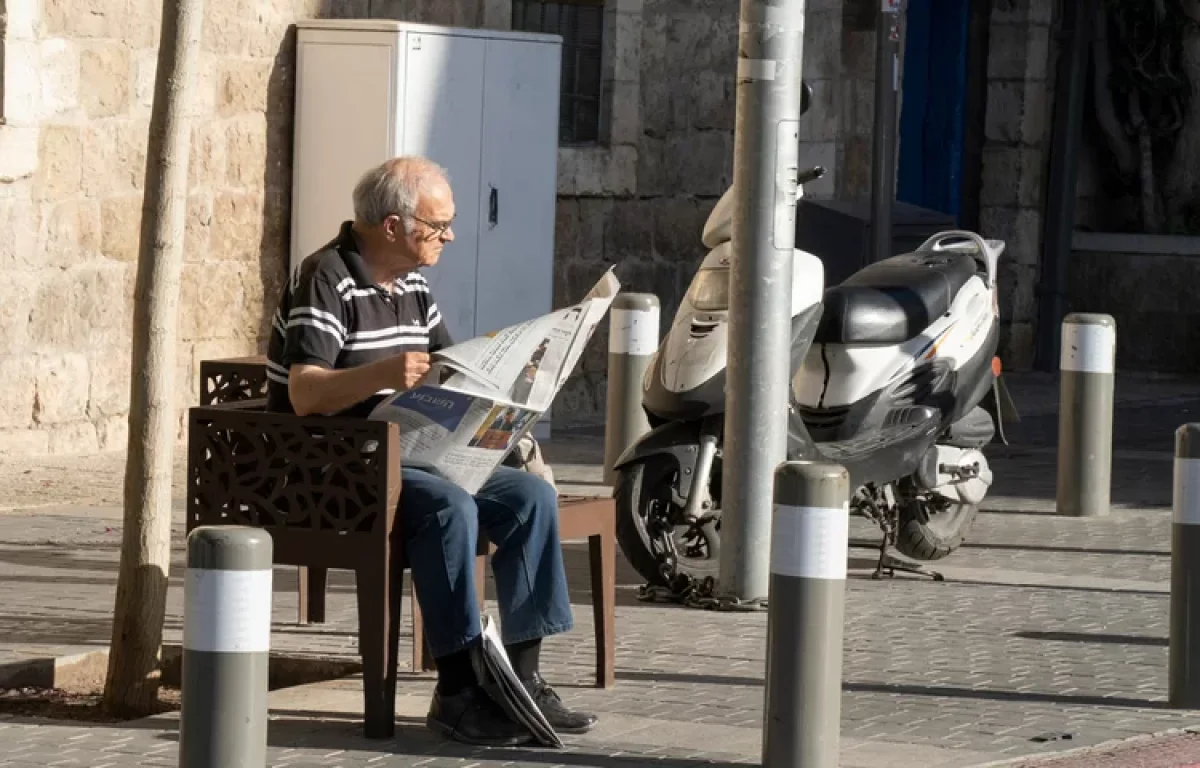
483, 395
495, 674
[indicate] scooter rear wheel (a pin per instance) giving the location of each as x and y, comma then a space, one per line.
929, 534
647, 516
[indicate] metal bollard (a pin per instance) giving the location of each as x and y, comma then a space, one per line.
632, 339
809, 547
226, 648
1085, 414
1183, 676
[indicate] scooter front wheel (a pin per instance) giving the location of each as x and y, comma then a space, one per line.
651, 530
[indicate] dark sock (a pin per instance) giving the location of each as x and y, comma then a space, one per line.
455, 672
524, 657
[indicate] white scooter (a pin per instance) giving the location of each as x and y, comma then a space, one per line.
894, 376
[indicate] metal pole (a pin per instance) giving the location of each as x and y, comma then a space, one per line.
883, 147
765, 171
802, 713
226, 648
1183, 677
632, 339
1059, 222
1085, 414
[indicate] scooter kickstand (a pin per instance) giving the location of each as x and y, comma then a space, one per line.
891, 564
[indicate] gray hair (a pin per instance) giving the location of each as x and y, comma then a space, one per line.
395, 187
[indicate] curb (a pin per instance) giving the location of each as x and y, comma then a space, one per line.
82, 670
1047, 758
54, 671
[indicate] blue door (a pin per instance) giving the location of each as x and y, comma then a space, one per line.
930, 148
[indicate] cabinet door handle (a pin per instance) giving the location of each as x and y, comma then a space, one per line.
493, 206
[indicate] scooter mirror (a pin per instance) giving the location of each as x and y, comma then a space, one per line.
806, 94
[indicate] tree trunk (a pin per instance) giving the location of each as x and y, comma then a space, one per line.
131, 688
1182, 198
1106, 111
1151, 223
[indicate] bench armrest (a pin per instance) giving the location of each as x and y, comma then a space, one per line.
249, 466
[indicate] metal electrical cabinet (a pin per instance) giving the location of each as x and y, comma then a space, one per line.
481, 103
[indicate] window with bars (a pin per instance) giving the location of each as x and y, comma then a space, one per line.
581, 24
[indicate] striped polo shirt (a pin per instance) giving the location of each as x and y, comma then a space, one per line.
333, 315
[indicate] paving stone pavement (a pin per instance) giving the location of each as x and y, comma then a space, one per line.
1049, 633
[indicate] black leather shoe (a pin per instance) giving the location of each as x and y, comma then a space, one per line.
471, 717
563, 719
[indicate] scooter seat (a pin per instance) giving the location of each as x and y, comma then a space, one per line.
891, 301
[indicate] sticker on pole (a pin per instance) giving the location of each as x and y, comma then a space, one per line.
1186, 497
891, 6
227, 611
810, 542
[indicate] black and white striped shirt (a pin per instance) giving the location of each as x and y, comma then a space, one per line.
333, 315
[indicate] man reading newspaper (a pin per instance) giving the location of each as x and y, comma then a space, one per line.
357, 324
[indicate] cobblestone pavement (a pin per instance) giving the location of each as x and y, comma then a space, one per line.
1048, 634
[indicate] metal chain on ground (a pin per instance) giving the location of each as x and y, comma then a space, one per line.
698, 593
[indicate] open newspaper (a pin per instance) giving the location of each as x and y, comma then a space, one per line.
481, 396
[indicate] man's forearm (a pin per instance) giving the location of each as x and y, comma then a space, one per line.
320, 390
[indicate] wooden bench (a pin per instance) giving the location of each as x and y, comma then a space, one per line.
327, 490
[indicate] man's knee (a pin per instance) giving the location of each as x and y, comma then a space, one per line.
445, 508
533, 500
539, 495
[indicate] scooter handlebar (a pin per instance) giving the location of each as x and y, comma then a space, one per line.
812, 174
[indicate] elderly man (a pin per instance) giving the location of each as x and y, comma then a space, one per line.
357, 322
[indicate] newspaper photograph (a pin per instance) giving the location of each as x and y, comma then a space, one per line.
481, 396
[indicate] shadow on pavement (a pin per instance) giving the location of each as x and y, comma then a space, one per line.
321, 731
1084, 637
689, 679
1067, 550
1000, 695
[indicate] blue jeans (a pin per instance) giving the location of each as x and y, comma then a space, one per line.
519, 514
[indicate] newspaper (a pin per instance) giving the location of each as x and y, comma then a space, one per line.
481, 396
495, 674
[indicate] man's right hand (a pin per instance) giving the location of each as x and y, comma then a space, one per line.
411, 367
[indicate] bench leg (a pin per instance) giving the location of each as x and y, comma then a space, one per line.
422, 660
313, 582
379, 645
602, 550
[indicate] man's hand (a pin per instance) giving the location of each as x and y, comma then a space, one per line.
411, 367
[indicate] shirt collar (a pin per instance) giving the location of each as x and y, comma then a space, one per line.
349, 248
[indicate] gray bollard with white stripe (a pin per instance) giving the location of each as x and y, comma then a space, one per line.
1085, 414
809, 548
632, 339
226, 648
1183, 676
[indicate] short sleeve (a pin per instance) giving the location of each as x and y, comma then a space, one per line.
315, 328
439, 335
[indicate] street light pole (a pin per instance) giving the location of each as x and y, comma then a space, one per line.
765, 170
883, 154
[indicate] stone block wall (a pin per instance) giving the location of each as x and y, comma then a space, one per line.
79, 82
1017, 142
1146, 282
79, 78
682, 160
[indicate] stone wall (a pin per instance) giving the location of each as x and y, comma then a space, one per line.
79, 81
79, 77
1147, 283
1017, 139
683, 149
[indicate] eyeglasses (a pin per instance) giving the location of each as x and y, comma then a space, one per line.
438, 227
